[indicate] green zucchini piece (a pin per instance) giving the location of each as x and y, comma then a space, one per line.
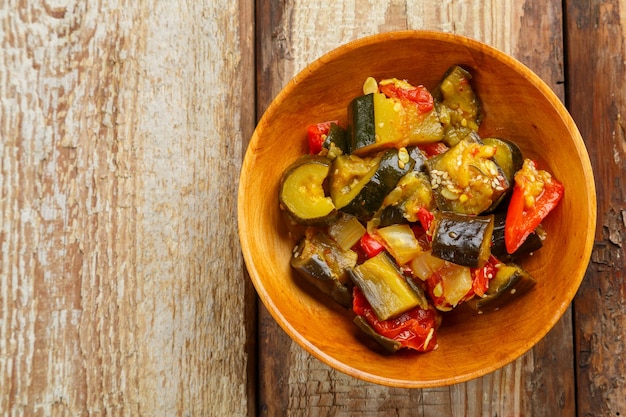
465, 179
390, 345
361, 122
358, 186
348, 176
384, 286
321, 261
302, 193
511, 282
508, 156
462, 239
533, 242
458, 106
378, 122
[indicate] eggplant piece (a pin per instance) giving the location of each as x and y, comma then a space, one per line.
321, 261
465, 179
390, 215
533, 242
418, 156
358, 186
302, 195
511, 282
508, 156
384, 286
462, 239
458, 106
403, 203
390, 345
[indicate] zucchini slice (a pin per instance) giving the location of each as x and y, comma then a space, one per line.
323, 263
378, 122
511, 282
462, 239
384, 286
465, 179
458, 106
302, 193
358, 186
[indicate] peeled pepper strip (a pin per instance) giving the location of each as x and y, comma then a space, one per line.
535, 194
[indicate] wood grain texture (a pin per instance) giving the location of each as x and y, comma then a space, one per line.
292, 34
121, 288
597, 97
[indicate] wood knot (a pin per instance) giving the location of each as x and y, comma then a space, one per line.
55, 10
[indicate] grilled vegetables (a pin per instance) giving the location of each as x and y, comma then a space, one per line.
358, 186
408, 212
405, 116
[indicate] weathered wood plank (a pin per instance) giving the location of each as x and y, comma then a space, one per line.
121, 289
291, 34
597, 97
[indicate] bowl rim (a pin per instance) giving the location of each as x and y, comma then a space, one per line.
473, 45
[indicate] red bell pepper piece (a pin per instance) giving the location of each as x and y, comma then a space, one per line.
482, 276
414, 329
535, 194
418, 95
370, 246
316, 135
426, 219
433, 149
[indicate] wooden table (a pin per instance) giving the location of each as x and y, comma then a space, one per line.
123, 125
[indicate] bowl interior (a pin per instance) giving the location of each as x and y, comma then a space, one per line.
518, 106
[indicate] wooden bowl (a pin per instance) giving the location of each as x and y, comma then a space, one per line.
518, 106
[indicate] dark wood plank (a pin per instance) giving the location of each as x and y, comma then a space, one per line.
597, 96
291, 34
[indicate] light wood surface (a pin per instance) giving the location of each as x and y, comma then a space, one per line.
122, 129
122, 288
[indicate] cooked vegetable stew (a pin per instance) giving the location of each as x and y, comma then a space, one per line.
408, 212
